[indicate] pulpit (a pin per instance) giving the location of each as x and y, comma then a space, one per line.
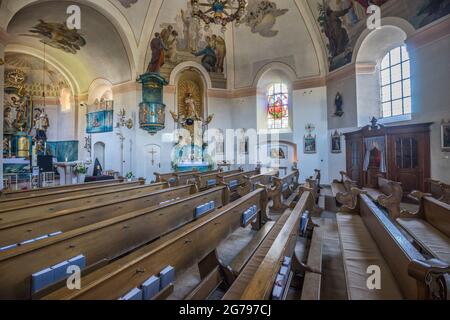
398, 153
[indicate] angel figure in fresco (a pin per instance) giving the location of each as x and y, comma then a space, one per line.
59, 36
158, 47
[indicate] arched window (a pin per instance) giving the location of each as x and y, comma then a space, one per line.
278, 106
396, 83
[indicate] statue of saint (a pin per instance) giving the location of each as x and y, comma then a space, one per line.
7, 120
158, 47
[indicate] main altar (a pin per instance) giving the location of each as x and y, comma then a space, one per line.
190, 151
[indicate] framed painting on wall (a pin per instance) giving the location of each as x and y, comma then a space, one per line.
279, 152
336, 143
310, 144
100, 121
445, 136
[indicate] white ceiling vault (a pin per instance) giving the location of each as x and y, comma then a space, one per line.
118, 33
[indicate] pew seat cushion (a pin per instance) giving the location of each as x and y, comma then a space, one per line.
359, 253
428, 237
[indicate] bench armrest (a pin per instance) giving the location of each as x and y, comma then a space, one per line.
432, 278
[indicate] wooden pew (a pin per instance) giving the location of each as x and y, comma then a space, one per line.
439, 190
208, 180
107, 239
342, 189
429, 226
388, 194
46, 223
369, 238
60, 191
236, 180
176, 179
284, 187
313, 183
56, 196
169, 178
251, 182
41, 208
256, 282
192, 244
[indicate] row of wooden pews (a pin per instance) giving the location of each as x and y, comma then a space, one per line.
373, 242
284, 187
193, 243
104, 239
275, 268
50, 193
342, 189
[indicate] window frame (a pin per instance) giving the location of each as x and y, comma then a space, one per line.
284, 91
390, 85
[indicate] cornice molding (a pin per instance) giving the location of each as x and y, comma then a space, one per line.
430, 34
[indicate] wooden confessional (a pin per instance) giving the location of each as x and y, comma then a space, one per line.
398, 153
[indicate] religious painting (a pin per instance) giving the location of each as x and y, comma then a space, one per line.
262, 16
58, 36
310, 144
220, 143
445, 136
278, 152
343, 21
18, 109
336, 143
100, 121
182, 40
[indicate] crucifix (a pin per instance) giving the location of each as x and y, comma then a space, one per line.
153, 152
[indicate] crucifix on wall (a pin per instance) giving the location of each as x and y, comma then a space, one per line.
153, 152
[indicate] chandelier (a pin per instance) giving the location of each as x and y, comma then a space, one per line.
219, 12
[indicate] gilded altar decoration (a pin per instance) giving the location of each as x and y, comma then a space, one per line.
58, 36
191, 110
152, 110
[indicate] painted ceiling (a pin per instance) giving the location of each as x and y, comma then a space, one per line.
312, 37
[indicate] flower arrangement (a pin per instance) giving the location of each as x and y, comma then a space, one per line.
80, 169
129, 176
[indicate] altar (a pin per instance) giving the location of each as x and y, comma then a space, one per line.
197, 166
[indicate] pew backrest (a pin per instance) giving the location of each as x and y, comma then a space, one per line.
52, 206
22, 230
180, 249
397, 251
19, 194
261, 285
29, 196
107, 239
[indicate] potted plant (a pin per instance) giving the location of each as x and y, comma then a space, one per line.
81, 171
129, 176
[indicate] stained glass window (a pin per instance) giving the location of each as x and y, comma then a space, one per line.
278, 106
396, 83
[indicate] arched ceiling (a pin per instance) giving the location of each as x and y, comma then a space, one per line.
118, 33
103, 55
